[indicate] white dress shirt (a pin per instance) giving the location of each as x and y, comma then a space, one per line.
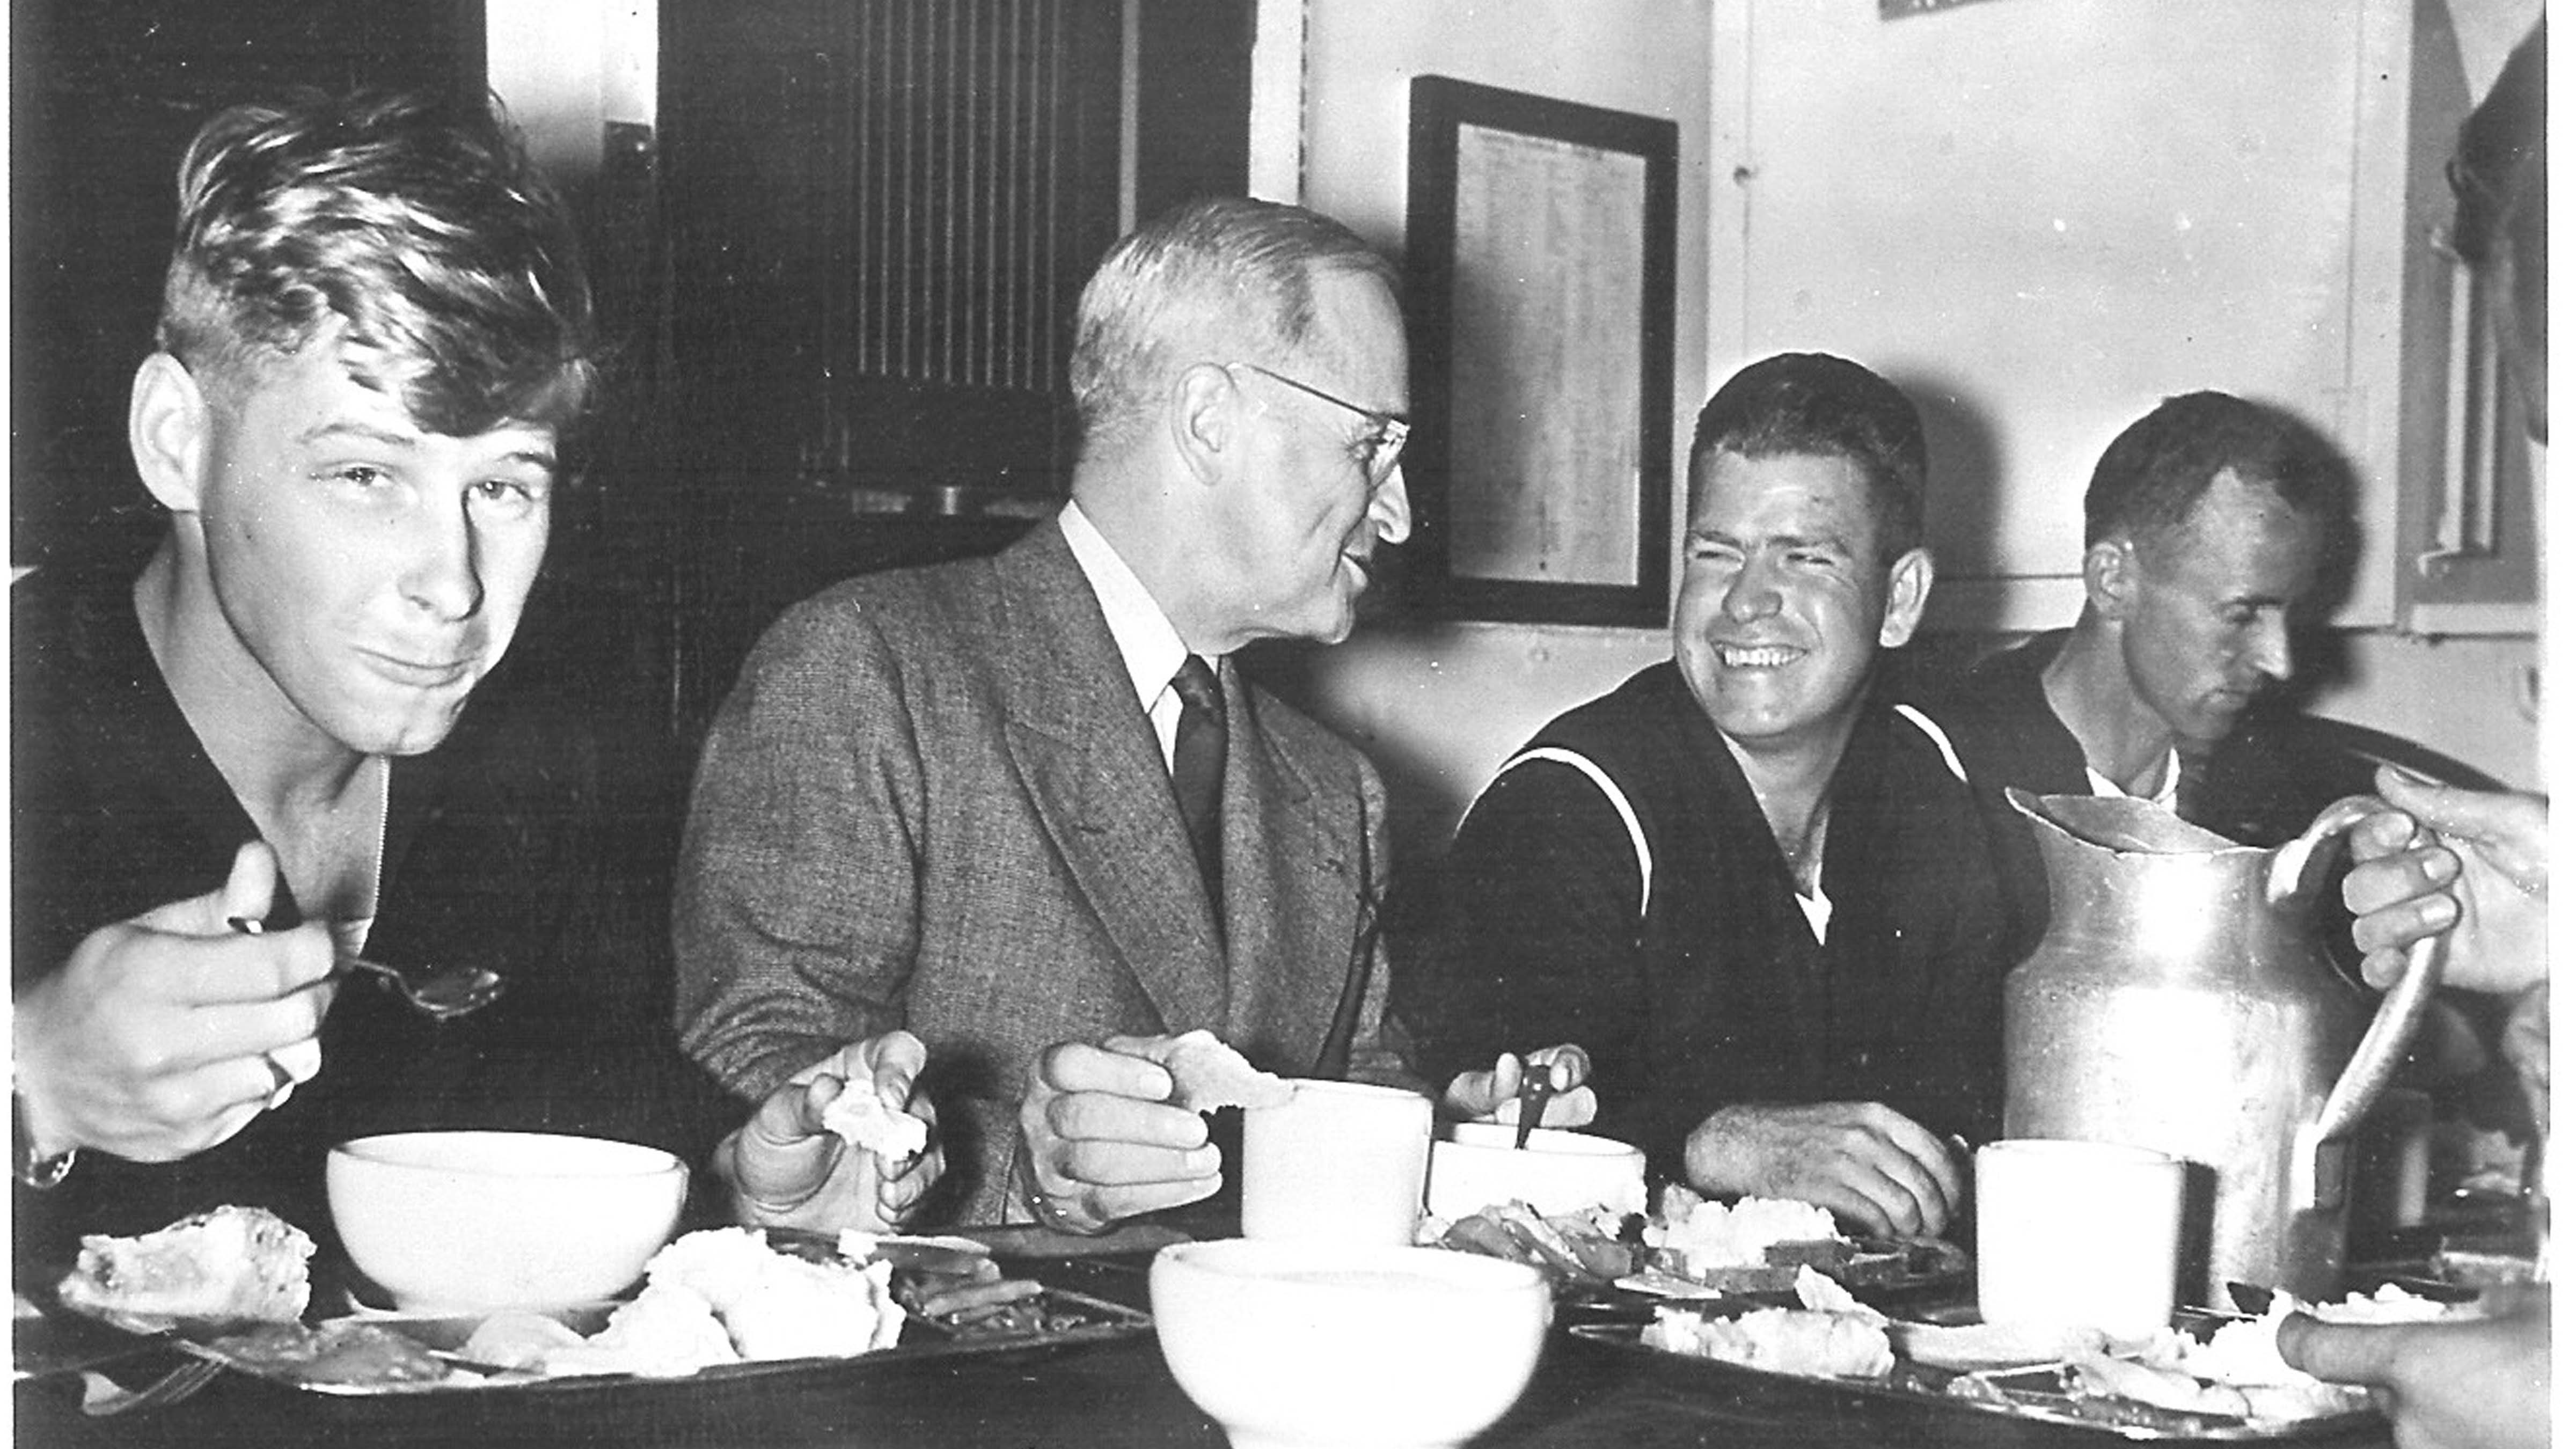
1147, 641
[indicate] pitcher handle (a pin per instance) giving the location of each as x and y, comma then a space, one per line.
2383, 1046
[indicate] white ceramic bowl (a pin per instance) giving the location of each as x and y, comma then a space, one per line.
1477, 1167
477, 1221
1291, 1345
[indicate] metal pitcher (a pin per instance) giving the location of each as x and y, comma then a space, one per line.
2180, 1001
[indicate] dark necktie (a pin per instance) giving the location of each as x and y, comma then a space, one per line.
1198, 769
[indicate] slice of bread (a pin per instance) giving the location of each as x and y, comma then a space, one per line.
864, 1120
231, 1265
1208, 1074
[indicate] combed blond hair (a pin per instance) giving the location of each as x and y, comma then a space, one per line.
417, 223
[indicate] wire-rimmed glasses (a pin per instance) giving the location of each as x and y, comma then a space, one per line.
1389, 430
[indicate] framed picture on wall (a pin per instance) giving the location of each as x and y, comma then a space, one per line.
1539, 254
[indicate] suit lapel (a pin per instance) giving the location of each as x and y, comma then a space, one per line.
1097, 782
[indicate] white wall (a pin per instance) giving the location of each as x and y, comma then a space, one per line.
1438, 705
566, 67
2474, 699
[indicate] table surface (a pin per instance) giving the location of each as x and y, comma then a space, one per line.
1098, 1394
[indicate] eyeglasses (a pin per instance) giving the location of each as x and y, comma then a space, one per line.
1388, 430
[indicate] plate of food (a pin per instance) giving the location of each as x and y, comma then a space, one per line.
232, 1287
2209, 1377
1693, 1247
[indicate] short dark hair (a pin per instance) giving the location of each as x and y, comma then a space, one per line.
1217, 264
1814, 404
2159, 466
416, 220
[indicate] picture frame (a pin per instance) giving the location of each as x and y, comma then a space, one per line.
1539, 245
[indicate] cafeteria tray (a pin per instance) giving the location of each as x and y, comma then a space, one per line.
1920, 1393
1067, 1319
1055, 1318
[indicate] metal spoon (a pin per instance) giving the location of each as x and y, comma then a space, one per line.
441, 993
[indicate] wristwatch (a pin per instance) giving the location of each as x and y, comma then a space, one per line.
40, 1172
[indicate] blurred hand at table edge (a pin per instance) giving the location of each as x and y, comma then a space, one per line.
785, 1169
2458, 1383
1102, 1142
2473, 861
1876, 1169
1495, 1096
166, 1034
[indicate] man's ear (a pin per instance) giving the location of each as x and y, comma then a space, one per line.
2111, 577
165, 425
1909, 587
1206, 419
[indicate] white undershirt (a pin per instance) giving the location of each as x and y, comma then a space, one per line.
2167, 796
1819, 911
349, 935
1147, 642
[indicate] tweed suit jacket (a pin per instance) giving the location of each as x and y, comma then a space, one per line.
933, 802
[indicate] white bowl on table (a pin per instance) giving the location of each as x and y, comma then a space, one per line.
479, 1221
1299, 1345
1475, 1167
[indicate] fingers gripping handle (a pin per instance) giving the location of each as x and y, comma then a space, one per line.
2383, 1045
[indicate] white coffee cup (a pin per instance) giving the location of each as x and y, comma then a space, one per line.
1339, 1162
2077, 1235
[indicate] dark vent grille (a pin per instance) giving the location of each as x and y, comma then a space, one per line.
952, 130
883, 211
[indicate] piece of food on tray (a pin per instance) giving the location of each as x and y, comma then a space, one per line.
724, 1296
1706, 1233
938, 1255
862, 1119
1821, 1294
1757, 1244
2101, 1375
1989, 1345
517, 1339
1969, 1346
231, 1265
343, 1351
1208, 1074
665, 1332
951, 1282
1782, 1340
2389, 1304
1571, 1248
2244, 1353
775, 1305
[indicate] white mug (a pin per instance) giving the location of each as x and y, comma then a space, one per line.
1339, 1162
2077, 1235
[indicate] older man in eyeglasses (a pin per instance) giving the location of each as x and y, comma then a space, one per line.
1029, 809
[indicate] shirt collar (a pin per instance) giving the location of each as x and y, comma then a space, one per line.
1147, 642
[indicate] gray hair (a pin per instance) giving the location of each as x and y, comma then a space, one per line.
1223, 272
